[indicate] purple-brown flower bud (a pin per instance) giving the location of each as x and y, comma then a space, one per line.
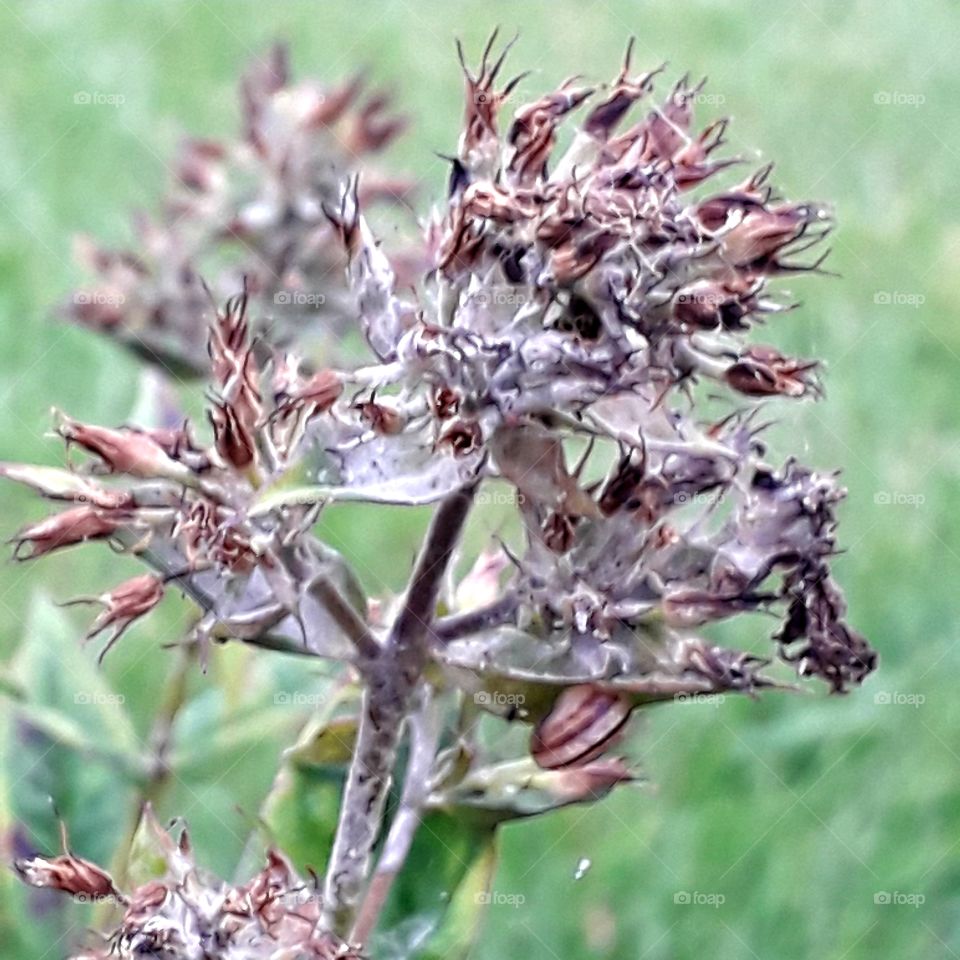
763, 372
234, 442
582, 724
321, 390
76, 525
382, 418
123, 605
69, 873
445, 403
132, 452
764, 232
559, 531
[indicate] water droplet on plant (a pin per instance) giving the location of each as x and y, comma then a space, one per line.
583, 865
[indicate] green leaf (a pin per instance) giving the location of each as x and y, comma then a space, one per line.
299, 815
68, 742
437, 902
461, 925
150, 848
198, 755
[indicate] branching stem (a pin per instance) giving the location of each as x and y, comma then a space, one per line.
391, 679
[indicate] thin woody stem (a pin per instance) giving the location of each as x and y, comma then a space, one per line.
424, 727
391, 681
349, 621
326, 593
457, 625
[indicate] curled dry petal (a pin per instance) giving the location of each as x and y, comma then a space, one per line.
815, 635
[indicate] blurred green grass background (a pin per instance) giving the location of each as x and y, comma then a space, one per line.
798, 810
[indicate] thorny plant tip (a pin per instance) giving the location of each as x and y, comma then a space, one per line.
574, 307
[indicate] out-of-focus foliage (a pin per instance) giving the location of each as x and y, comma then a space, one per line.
800, 817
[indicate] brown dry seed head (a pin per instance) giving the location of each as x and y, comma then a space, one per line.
188, 913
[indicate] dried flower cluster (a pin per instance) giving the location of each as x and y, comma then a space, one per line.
188, 915
574, 307
245, 210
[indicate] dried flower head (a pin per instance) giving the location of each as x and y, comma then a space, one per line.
249, 211
575, 307
189, 915
574, 299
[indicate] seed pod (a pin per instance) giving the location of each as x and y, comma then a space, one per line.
67, 872
233, 441
583, 723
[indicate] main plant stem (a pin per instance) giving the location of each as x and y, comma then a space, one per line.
391, 679
423, 735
